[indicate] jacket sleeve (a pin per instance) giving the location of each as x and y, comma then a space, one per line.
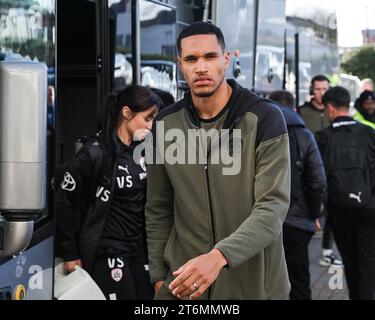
159, 218
371, 156
70, 195
271, 194
321, 140
314, 175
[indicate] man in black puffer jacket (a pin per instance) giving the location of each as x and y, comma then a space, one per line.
307, 195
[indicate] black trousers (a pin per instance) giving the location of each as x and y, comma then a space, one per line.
122, 278
355, 238
296, 244
327, 234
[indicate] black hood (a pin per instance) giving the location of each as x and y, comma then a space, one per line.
292, 119
361, 110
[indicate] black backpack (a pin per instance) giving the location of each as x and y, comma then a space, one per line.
348, 175
296, 165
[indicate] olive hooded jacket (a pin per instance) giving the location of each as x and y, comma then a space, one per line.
193, 208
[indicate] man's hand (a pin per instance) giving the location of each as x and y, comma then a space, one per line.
317, 224
195, 276
158, 285
69, 265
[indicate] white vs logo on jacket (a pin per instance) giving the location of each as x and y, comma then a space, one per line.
103, 194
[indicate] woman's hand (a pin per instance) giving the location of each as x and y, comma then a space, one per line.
69, 266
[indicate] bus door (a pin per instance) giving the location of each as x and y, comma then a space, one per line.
83, 78
27, 114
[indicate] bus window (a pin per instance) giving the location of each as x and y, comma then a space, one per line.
123, 71
158, 46
242, 14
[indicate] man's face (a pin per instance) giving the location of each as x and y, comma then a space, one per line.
319, 89
369, 106
203, 64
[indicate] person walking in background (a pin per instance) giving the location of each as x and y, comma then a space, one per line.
365, 109
308, 185
348, 150
312, 114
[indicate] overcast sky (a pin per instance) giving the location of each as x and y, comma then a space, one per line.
352, 17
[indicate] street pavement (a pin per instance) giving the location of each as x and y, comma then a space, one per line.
326, 283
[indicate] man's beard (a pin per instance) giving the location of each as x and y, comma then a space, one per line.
208, 94
205, 94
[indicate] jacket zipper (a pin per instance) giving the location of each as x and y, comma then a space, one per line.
210, 289
113, 183
210, 203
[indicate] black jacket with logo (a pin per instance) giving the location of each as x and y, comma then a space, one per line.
100, 203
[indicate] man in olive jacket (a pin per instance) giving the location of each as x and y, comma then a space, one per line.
312, 112
212, 233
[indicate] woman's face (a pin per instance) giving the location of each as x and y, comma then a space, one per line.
139, 124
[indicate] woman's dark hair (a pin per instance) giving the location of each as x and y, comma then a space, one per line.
137, 98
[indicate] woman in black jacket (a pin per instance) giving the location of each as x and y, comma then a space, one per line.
308, 184
100, 201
